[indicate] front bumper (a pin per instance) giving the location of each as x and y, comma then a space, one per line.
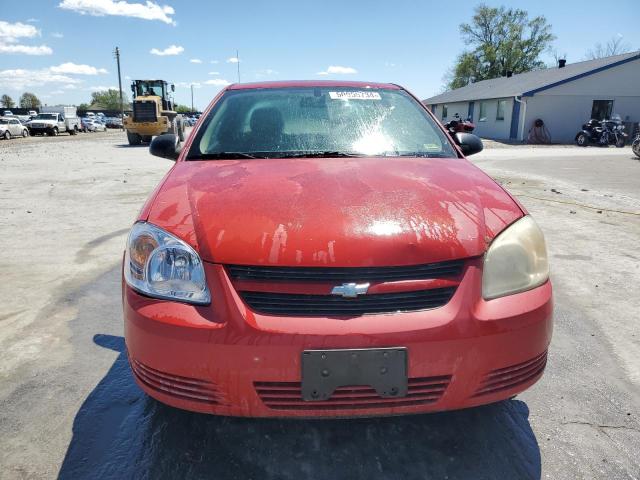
224, 359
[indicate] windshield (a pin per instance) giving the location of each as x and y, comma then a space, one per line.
47, 116
149, 88
3, 121
318, 121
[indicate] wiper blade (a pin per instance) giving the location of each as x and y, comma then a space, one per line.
416, 154
223, 155
320, 154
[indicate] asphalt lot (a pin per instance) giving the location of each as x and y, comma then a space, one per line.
69, 407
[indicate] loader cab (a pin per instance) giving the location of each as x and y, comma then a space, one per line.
157, 88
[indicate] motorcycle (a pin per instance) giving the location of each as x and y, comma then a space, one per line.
457, 125
635, 146
603, 133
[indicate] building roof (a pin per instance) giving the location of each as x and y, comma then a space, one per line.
527, 84
312, 83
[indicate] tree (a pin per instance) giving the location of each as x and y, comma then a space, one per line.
29, 100
614, 46
182, 108
502, 40
7, 101
108, 99
84, 107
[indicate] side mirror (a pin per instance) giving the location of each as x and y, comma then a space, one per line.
165, 146
173, 87
133, 88
469, 143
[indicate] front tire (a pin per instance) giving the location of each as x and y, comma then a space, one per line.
134, 138
25, 133
582, 140
54, 132
7, 135
635, 147
620, 142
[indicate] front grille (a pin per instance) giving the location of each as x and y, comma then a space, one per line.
288, 395
338, 274
144, 111
176, 386
330, 305
510, 377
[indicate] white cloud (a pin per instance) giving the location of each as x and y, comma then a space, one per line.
18, 79
127, 77
26, 49
57, 92
220, 82
195, 60
57, 35
214, 73
100, 88
98, 8
338, 70
32, 20
11, 32
233, 60
214, 61
170, 50
69, 87
75, 69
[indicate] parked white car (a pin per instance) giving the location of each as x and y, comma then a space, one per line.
100, 126
11, 127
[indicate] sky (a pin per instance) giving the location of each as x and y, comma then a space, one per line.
62, 50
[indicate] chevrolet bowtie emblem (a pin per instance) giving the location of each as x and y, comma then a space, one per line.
350, 290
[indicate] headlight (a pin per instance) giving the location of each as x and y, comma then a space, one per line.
515, 261
160, 265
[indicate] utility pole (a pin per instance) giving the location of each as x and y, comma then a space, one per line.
192, 108
238, 64
117, 55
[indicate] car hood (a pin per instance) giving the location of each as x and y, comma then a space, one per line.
340, 212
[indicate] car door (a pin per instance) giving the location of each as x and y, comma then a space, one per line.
15, 127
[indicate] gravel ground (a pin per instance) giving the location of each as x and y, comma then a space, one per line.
69, 408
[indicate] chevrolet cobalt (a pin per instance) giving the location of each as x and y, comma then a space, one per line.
325, 249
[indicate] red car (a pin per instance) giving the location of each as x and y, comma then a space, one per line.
325, 249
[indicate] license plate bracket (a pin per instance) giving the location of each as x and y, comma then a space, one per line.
384, 369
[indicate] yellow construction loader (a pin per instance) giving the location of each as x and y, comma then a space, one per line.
153, 112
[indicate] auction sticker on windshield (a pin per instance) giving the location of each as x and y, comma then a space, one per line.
354, 95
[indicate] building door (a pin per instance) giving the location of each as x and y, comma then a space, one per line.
602, 109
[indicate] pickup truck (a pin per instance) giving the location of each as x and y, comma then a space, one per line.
55, 121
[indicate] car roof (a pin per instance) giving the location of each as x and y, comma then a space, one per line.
313, 83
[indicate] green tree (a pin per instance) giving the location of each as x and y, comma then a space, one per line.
7, 101
500, 40
108, 99
182, 108
84, 106
29, 100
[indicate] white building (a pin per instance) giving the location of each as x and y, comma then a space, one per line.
564, 97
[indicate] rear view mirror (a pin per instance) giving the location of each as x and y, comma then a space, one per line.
165, 146
469, 143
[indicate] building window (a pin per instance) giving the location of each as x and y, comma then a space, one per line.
601, 109
482, 117
444, 111
502, 105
